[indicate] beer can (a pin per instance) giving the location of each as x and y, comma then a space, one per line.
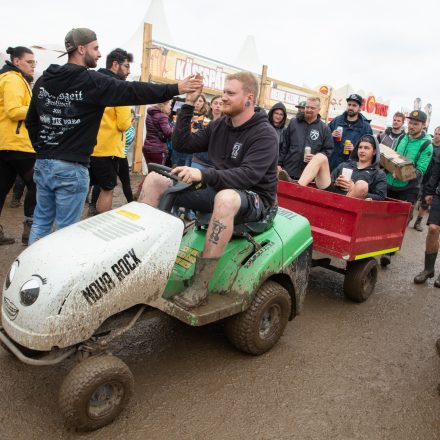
340, 129
307, 150
346, 151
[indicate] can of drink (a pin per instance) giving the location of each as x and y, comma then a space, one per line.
307, 150
340, 130
346, 151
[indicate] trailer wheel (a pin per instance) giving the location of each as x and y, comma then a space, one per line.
360, 279
95, 391
259, 328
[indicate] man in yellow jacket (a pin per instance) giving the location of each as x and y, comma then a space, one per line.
17, 157
111, 135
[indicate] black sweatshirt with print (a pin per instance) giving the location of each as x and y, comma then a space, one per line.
67, 106
244, 157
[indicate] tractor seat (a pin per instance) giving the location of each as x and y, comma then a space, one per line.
243, 229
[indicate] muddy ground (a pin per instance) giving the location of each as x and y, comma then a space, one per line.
341, 370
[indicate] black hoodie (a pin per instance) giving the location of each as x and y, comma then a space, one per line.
373, 175
244, 157
68, 103
298, 135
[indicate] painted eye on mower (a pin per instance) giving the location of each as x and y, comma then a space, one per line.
29, 292
11, 273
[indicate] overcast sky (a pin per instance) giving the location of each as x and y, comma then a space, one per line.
390, 48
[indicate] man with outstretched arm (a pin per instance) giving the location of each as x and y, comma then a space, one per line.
63, 122
240, 188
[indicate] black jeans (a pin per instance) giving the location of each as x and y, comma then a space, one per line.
13, 163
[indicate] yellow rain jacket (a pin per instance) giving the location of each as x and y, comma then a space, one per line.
111, 134
15, 97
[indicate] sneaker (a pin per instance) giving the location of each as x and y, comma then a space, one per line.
4, 239
418, 225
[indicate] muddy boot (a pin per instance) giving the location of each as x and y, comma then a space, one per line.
282, 175
418, 224
4, 239
437, 282
197, 293
15, 203
428, 271
27, 225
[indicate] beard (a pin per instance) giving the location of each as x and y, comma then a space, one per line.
231, 111
352, 113
89, 61
121, 74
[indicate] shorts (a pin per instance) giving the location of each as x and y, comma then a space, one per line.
335, 189
434, 213
410, 195
251, 206
104, 171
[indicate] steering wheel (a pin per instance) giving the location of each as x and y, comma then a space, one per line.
163, 170
167, 200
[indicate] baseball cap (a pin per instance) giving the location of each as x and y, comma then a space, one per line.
356, 98
78, 37
301, 104
417, 115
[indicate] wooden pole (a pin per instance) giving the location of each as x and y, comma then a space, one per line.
263, 86
145, 76
327, 110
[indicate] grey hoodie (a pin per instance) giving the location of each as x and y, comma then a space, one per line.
280, 129
373, 175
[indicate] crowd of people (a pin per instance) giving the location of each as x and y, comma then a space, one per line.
71, 132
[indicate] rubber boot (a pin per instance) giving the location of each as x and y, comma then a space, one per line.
15, 203
5, 239
197, 293
428, 271
418, 224
27, 225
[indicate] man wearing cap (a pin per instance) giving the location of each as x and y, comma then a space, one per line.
307, 130
354, 126
415, 146
300, 107
63, 121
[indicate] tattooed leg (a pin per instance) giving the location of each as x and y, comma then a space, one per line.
226, 205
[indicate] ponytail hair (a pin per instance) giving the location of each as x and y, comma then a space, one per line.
17, 52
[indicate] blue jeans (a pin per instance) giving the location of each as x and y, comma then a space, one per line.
61, 193
181, 159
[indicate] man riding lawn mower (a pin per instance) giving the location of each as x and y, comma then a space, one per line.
131, 262
243, 147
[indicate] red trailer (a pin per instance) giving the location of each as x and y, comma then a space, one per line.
349, 229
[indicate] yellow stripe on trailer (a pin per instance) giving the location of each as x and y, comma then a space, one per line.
374, 254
